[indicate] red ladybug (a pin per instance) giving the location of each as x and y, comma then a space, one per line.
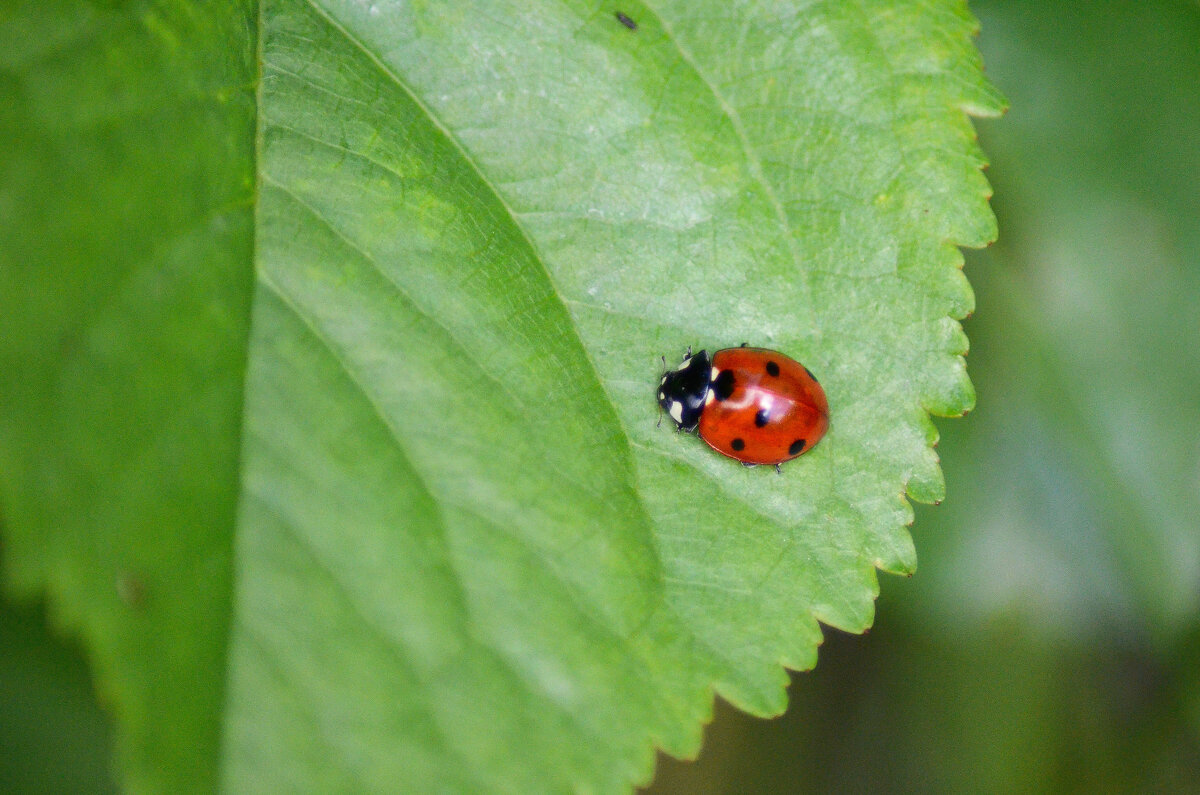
752, 404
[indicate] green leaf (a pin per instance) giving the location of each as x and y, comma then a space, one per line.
464, 556
126, 236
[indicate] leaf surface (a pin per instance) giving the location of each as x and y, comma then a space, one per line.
465, 558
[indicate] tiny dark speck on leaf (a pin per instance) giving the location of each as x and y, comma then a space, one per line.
625, 20
131, 590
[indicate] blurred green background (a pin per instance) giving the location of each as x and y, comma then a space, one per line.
1051, 639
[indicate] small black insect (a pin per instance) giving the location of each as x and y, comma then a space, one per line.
625, 20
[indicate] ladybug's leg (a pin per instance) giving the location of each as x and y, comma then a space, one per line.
778, 469
748, 465
744, 345
689, 353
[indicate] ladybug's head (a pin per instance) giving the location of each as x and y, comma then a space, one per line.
682, 391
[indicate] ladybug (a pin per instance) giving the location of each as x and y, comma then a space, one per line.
753, 404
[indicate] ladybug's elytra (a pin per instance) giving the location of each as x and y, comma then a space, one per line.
752, 404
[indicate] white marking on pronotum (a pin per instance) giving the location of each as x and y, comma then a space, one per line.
661, 395
676, 411
715, 373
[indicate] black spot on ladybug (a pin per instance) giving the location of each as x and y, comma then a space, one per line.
738, 444
796, 447
723, 386
772, 369
761, 418
626, 21
810, 375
